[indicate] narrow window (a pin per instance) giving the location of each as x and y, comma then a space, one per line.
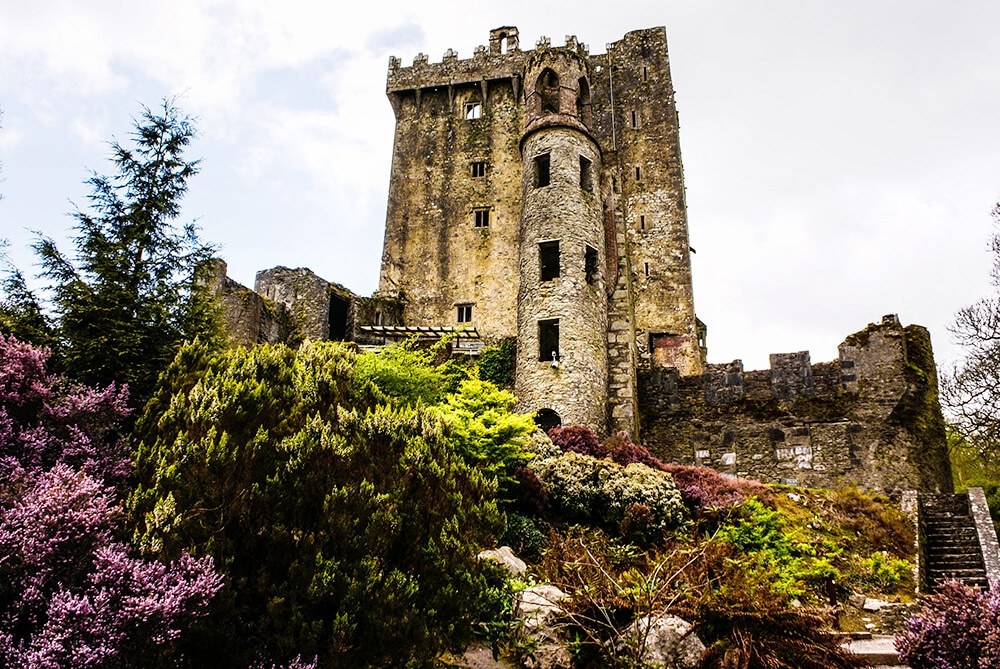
503, 44
548, 340
635, 119
464, 312
590, 264
478, 169
548, 254
378, 318
542, 170
586, 174
481, 217
638, 173
645, 73
642, 221
647, 269
473, 110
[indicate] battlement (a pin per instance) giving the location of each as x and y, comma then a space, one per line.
870, 417
502, 59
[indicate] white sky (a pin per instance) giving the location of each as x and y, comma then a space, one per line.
841, 158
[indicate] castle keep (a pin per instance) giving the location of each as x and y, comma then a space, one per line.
538, 195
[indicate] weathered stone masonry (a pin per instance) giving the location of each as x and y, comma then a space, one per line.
538, 195
871, 417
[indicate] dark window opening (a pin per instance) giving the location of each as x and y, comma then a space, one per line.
590, 264
586, 174
645, 74
635, 119
583, 101
548, 340
542, 170
638, 173
464, 313
478, 169
548, 253
547, 87
482, 218
546, 419
646, 264
642, 222
473, 110
338, 318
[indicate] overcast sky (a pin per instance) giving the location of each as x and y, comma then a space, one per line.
841, 158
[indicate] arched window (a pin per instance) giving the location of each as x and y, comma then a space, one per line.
547, 88
503, 43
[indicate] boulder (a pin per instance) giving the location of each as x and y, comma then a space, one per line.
665, 641
505, 556
539, 610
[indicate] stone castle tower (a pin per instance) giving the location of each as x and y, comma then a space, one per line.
539, 195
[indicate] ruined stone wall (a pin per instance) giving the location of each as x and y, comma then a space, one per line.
247, 317
872, 417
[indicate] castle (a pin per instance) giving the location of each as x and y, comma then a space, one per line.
538, 195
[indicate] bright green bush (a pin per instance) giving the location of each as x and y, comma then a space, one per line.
337, 509
485, 432
496, 363
585, 489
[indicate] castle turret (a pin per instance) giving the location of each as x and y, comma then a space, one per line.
562, 359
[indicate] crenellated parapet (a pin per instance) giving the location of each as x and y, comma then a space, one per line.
870, 417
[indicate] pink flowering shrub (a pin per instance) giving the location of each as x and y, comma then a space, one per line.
45, 420
71, 596
958, 627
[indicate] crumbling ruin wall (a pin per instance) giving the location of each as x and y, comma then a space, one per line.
248, 318
871, 418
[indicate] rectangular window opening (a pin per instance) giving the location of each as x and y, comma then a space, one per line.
586, 174
464, 313
478, 169
642, 222
548, 254
638, 173
482, 217
646, 265
473, 110
542, 170
635, 119
548, 340
645, 73
590, 264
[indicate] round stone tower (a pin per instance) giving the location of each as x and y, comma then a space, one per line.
562, 357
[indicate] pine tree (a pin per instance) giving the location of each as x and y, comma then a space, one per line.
128, 299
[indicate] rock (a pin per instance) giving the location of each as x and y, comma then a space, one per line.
873, 605
505, 556
856, 600
539, 609
795, 498
539, 604
666, 641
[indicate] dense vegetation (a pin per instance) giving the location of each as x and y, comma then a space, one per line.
167, 502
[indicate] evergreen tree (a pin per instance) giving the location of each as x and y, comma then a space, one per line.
128, 299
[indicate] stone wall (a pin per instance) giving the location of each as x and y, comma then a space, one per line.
871, 417
247, 317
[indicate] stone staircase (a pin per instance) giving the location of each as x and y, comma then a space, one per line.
951, 548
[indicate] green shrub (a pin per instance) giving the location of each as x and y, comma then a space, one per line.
585, 489
524, 536
338, 512
496, 363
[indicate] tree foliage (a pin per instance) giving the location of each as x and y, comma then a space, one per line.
971, 389
342, 512
126, 299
